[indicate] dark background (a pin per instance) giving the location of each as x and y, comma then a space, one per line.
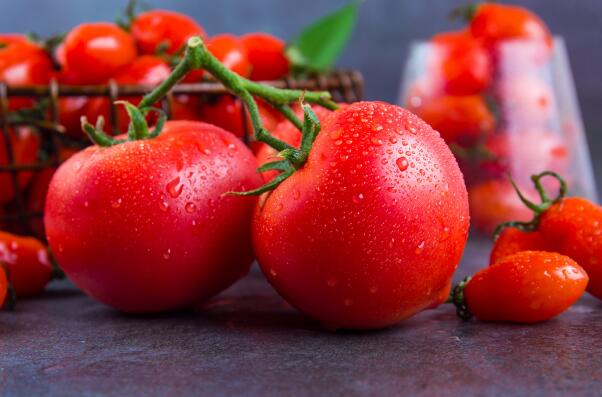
378, 46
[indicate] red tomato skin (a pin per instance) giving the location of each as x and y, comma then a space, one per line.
266, 56
512, 241
152, 28
369, 231
574, 227
3, 287
23, 63
463, 63
144, 226
459, 119
527, 287
95, 51
231, 52
499, 22
28, 264
25, 146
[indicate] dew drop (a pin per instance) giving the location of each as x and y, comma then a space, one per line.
174, 188
167, 254
420, 247
116, 203
163, 205
358, 198
273, 272
190, 207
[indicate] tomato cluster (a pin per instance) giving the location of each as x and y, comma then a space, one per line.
143, 54
484, 89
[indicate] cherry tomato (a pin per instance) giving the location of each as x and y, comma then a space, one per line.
459, 119
266, 55
370, 230
494, 23
462, 62
574, 228
231, 52
186, 107
145, 70
25, 146
495, 201
23, 63
156, 28
95, 51
527, 287
226, 112
144, 226
27, 262
524, 153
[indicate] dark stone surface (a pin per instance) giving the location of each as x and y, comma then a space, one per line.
248, 342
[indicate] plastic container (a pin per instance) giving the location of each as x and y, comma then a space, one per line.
525, 121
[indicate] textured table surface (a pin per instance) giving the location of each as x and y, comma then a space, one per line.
247, 342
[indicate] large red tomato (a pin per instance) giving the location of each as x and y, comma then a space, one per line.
370, 230
95, 51
144, 226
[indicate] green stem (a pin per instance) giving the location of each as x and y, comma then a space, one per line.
458, 299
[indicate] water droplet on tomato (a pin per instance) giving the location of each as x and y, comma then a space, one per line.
373, 289
358, 198
420, 247
163, 205
296, 194
167, 254
116, 203
174, 188
190, 207
331, 282
273, 272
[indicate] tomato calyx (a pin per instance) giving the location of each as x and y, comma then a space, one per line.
538, 209
138, 128
464, 12
456, 297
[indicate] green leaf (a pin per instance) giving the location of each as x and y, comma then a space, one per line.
320, 44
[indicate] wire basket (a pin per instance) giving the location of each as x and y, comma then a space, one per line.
17, 215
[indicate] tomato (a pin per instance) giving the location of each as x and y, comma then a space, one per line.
231, 52
144, 226
23, 63
145, 70
156, 28
525, 101
527, 287
25, 146
462, 62
266, 56
574, 228
226, 111
186, 107
495, 201
370, 230
3, 287
28, 264
95, 51
459, 119
524, 153
495, 23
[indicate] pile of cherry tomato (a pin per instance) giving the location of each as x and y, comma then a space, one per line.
485, 89
359, 213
